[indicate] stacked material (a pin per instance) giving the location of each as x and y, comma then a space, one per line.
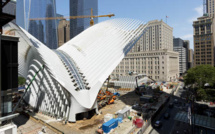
124, 113
108, 117
124, 89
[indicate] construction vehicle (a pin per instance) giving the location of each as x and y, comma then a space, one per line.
106, 97
140, 90
76, 17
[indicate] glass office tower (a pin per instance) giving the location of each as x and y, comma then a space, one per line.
43, 30
81, 7
20, 13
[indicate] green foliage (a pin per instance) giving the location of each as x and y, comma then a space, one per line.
201, 94
200, 75
21, 80
210, 94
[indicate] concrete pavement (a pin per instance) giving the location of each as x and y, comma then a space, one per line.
149, 129
29, 126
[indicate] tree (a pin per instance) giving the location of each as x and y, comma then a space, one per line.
21, 80
201, 94
200, 75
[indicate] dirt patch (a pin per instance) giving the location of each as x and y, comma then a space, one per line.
96, 122
89, 126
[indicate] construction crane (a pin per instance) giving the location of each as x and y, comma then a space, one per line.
140, 90
75, 17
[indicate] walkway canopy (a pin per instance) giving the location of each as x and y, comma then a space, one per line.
200, 120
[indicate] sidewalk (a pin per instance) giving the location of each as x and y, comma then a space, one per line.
177, 89
149, 129
26, 125
205, 103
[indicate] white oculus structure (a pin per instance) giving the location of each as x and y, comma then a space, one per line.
75, 72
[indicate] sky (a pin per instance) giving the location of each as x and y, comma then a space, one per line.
181, 13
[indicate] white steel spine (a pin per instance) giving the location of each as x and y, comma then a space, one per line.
96, 52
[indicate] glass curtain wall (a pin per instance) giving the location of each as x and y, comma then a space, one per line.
79, 8
43, 30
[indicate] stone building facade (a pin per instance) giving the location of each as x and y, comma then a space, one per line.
152, 55
63, 32
204, 41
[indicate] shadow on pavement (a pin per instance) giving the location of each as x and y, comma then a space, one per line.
20, 120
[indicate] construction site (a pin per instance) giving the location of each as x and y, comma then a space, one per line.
132, 109
70, 89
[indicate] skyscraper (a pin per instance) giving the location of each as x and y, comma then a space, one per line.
204, 41
81, 7
190, 58
210, 7
203, 37
63, 32
43, 30
186, 45
20, 13
178, 46
182, 47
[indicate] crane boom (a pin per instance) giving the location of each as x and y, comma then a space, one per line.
71, 17
75, 17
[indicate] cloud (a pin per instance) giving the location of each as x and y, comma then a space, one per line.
199, 13
187, 36
199, 10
